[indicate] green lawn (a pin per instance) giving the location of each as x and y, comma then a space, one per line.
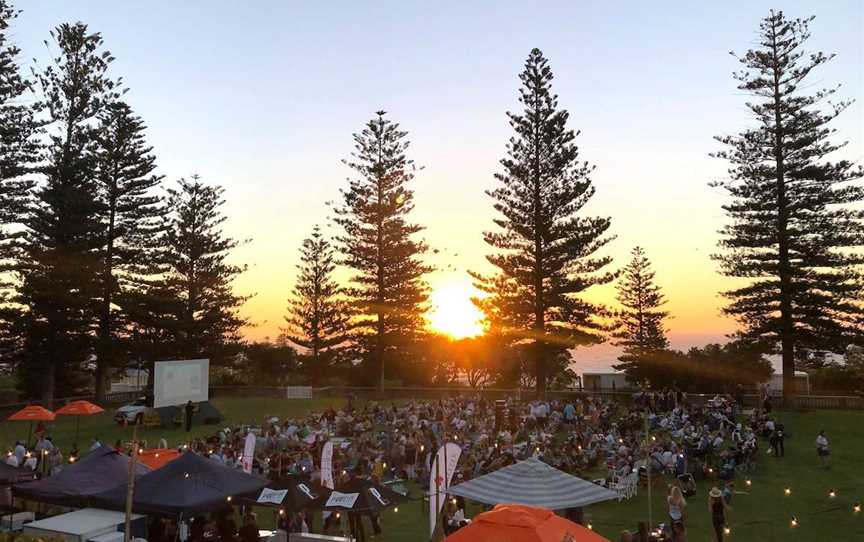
763, 515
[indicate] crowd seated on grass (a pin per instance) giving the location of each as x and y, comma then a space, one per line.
587, 436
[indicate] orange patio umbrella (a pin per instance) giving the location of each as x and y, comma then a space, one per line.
520, 523
78, 409
32, 413
156, 458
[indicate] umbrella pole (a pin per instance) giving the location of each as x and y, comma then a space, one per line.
29, 433
77, 427
127, 536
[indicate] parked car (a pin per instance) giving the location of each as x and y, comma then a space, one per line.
132, 413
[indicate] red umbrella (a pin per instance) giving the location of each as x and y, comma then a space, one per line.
31, 413
78, 409
515, 522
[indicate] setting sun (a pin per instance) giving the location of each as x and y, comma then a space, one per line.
452, 311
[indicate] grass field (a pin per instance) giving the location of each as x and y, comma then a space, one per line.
763, 515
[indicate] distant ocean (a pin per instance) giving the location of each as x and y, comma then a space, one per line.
601, 358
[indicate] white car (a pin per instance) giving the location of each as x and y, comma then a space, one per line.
132, 413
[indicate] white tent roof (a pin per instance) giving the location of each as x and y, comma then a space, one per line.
533, 483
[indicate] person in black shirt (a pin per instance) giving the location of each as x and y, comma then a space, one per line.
249, 530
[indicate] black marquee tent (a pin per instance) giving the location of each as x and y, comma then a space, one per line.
98, 471
189, 485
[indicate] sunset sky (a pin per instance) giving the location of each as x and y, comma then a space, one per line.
262, 98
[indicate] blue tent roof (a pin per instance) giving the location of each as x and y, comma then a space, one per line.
98, 471
189, 485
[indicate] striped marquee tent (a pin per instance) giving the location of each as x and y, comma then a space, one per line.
533, 483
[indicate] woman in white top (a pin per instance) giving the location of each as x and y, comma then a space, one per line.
676, 504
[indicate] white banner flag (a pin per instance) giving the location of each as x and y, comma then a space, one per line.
327, 465
249, 453
439, 480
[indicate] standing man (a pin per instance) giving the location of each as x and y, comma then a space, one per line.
190, 409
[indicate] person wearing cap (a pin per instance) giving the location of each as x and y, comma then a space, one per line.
717, 507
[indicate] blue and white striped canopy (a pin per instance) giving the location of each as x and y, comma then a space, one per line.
533, 483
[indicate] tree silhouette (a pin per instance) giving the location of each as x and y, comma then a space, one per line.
794, 233
379, 245
318, 314
546, 254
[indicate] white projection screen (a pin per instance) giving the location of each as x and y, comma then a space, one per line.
177, 382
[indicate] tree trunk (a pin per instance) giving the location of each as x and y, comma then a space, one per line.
48, 382
787, 329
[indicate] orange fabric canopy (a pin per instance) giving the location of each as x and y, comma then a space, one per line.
33, 413
156, 458
519, 523
80, 408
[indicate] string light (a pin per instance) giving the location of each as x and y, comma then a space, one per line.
856, 507
72, 459
787, 491
590, 527
832, 494
229, 498
396, 509
186, 475
727, 531
749, 482
338, 515
794, 522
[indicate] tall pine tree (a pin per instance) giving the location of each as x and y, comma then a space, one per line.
318, 315
59, 267
19, 150
131, 220
795, 232
378, 243
197, 290
640, 329
546, 253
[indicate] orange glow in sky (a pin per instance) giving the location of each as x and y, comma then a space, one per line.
452, 311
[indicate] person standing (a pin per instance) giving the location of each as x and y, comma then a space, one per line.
190, 409
823, 449
717, 507
676, 504
249, 530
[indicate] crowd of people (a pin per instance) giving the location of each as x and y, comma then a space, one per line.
662, 435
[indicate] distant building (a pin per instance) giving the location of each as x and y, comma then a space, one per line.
609, 381
129, 380
801, 383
